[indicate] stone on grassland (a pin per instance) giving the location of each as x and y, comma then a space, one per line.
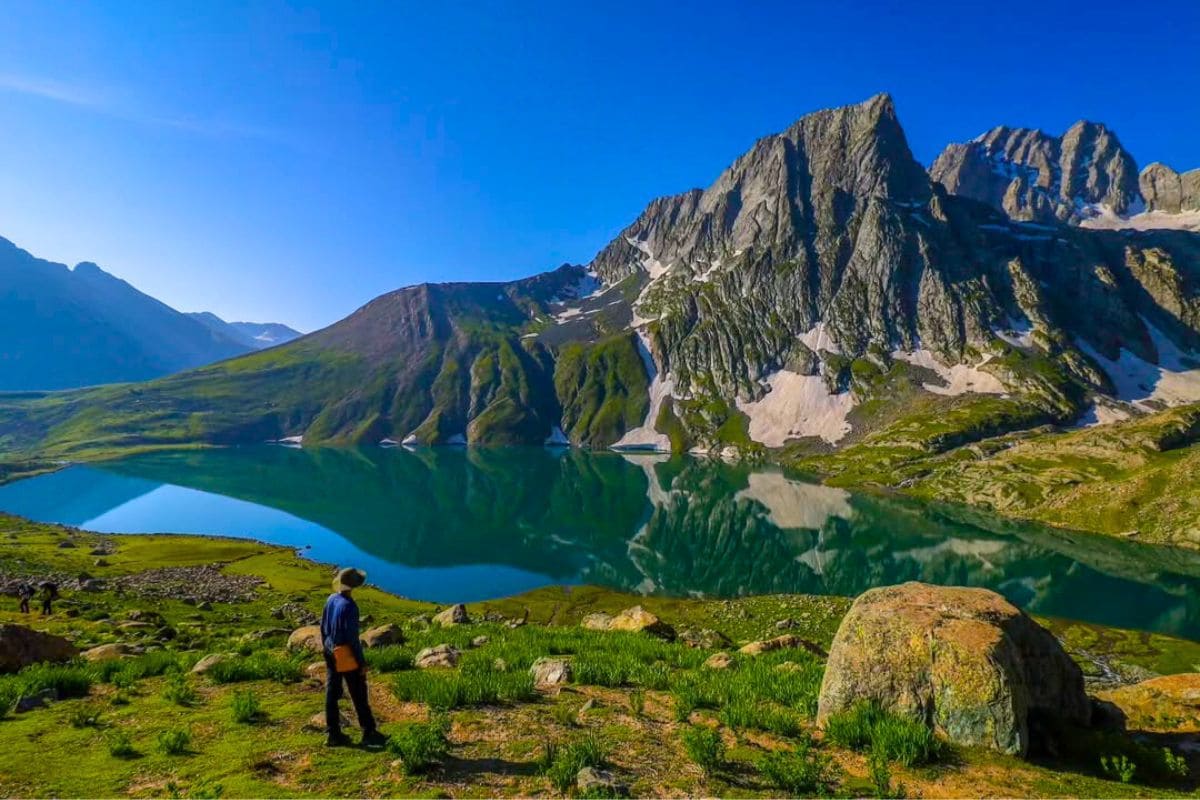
965, 661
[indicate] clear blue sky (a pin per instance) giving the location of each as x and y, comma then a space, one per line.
288, 162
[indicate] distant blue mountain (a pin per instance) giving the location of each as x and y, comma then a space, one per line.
62, 328
254, 335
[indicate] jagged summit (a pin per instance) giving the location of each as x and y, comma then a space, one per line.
778, 196
1032, 175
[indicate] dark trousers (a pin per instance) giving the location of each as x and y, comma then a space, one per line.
356, 682
46, 608
24, 605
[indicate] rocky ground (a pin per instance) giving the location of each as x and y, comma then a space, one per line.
555, 692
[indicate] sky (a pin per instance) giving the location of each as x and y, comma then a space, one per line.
287, 162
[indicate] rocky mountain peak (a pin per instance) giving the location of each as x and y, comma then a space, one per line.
1169, 191
788, 190
1034, 176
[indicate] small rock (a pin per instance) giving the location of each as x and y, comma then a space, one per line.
588, 706
204, 605
209, 661
638, 619
108, 652
500, 665
787, 666
442, 655
134, 626
100, 562
421, 620
720, 660
32, 701
383, 635
591, 781
454, 615
165, 634
66, 544
598, 621
550, 672
306, 638
479, 641
317, 721
705, 639
785, 624
316, 670
788, 641
266, 633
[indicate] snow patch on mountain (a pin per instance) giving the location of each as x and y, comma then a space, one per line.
1173, 381
797, 406
958, 379
662, 386
1106, 219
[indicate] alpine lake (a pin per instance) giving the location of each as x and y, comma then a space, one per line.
457, 524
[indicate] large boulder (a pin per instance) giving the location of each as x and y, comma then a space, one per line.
454, 615
639, 619
21, 646
1170, 704
306, 638
965, 661
383, 635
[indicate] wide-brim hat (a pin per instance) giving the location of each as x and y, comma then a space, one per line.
349, 578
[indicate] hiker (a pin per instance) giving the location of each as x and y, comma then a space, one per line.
49, 593
344, 661
25, 592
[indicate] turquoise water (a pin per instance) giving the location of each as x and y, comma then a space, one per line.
458, 524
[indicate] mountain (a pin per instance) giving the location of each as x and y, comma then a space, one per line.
824, 291
252, 335
63, 327
1084, 177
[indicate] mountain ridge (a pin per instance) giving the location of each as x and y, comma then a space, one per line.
823, 283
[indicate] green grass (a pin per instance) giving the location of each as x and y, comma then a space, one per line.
444, 690
803, 771
174, 742
867, 727
180, 692
420, 745
259, 666
587, 751
245, 707
704, 747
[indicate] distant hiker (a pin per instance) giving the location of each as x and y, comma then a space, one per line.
49, 593
344, 661
25, 592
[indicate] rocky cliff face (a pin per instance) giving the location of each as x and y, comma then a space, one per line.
1033, 176
1166, 190
823, 280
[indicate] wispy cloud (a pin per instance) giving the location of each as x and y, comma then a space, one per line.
111, 104
57, 91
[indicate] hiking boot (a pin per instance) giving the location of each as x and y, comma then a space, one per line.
373, 739
337, 739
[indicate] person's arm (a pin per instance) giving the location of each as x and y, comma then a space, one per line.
356, 636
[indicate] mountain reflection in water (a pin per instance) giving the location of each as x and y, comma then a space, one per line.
458, 524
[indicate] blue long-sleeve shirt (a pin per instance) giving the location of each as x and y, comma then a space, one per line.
339, 625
